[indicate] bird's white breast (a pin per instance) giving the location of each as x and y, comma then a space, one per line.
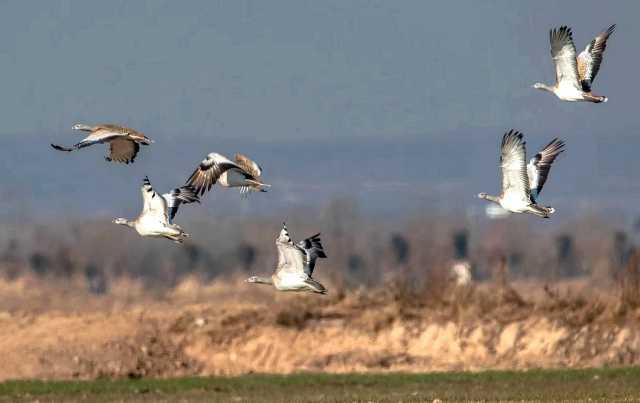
149, 226
290, 281
569, 93
514, 203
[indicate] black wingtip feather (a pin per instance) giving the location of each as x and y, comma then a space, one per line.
611, 28
60, 148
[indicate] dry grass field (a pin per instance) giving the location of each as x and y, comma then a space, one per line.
200, 330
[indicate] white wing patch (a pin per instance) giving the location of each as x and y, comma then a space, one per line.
154, 204
515, 182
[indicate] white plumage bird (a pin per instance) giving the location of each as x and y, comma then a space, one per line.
158, 211
295, 264
522, 182
575, 75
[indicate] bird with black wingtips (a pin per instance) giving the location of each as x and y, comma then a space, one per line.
124, 143
575, 75
296, 263
522, 182
158, 212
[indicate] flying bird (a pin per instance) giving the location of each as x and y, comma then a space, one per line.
124, 143
295, 264
158, 212
522, 182
575, 75
216, 168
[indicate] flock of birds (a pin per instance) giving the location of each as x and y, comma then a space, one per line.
522, 182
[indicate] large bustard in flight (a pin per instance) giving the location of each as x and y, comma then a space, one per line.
124, 143
522, 182
295, 264
158, 211
216, 168
575, 75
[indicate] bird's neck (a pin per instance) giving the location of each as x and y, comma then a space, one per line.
264, 280
128, 223
545, 87
83, 127
491, 198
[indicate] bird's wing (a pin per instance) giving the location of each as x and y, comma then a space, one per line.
182, 195
515, 183
248, 165
563, 52
539, 166
123, 150
154, 205
312, 248
208, 172
590, 58
107, 132
84, 143
290, 257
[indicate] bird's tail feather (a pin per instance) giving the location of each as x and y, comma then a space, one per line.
542, 211
315, 286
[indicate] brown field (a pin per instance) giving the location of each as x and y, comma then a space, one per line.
51, 331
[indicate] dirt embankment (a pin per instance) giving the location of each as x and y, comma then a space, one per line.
361, 331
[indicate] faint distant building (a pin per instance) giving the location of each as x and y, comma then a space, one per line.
10, 261
515, 263
63, 262
636, 225
621, 251
40, 263
566, 260
400, 249
192, 258
96, 279
461, 245
246, 255
356, 270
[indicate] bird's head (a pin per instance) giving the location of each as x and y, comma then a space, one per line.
81, 126
539, 86
252, 279
120, 221
482, 195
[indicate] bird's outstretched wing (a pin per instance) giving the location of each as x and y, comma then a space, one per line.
563, 52
122, 150
313, 249
539, 166
515, 183
290, 257
208, 172
182, 195
154, 205
590, 58
248, 165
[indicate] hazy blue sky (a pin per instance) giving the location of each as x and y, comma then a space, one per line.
410, 95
